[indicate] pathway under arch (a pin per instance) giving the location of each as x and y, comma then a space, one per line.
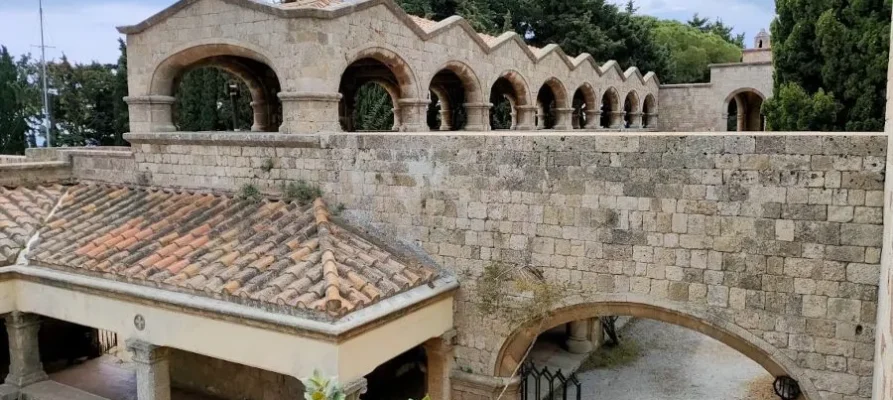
612, 115
743, 110
515, 346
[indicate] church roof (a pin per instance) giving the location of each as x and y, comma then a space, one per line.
267, 253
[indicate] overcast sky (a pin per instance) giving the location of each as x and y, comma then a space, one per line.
84, 30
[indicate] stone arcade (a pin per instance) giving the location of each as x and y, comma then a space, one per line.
772, 244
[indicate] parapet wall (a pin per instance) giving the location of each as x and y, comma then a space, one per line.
779, 234
68, 164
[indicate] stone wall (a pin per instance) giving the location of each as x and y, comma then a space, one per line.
756, 56
229, 381
701, 107
65, 164
36, 173
777, 235
4, 159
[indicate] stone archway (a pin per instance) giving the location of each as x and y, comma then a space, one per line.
386, 68
650, 112
553, 111
513, 349
632, 114
742, 111
586, 109
249, 66
510, 90
459, 97
611, 114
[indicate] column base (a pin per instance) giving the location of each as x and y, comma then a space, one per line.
579, 346
310, 112
21, 381
481, 387
9, 392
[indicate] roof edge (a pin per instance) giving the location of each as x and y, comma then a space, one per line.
343, 328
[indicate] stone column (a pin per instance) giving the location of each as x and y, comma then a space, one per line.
446, 120
398, 121
24, 353
540, 117
578, 337
593, 119
151, 113
636, 120
310, 112
414, 115
483, 387
440, 363
563, 117
525, 118
596, 333
576, 121
153, 380
617, 119
742, 122
651, 120
261, 116
478, 116
355, 389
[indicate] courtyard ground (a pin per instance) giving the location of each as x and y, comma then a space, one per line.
675, 363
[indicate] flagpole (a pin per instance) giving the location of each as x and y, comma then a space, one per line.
43, 63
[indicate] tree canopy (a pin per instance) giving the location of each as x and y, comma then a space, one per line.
839, 48
692, 50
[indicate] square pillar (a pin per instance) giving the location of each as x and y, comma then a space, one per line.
355, 389
439, 352
151, 113
310, 112
636, 120
478, 116
153, 379
24, 354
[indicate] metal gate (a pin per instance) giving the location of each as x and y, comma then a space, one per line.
542, 384
106, 341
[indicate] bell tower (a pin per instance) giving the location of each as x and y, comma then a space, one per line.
762, 41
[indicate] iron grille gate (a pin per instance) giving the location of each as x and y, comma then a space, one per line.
535, 380
106, 341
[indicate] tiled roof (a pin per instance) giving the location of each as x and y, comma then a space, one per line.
263, 253
22, 211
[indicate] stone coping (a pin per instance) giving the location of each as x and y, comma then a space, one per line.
739, 64
338, 331
35, 165
687, 85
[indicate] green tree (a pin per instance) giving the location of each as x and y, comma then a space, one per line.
374, 109
795, 110
718, 28
203, 102
121, 121
692, 51
841, 47
17, 104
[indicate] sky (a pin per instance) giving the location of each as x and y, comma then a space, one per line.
84, 30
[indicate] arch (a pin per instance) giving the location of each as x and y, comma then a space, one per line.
458, 92
649, 108
508, 94
746, 110
631, 107
610, 106
514, 347
247, 65
557, 88
585, 105
397, 65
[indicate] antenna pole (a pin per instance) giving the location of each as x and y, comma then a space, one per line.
43, 63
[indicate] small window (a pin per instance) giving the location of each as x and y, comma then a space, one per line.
761, 44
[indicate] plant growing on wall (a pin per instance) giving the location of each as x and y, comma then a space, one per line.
322, 388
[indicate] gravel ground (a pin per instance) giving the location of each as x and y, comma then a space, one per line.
678, 364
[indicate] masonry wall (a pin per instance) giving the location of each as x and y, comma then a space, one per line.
701, 107
779, 234
229, 381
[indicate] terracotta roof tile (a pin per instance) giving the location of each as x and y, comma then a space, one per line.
22, 212
268, 253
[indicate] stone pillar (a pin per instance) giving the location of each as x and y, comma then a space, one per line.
446, 120
478, 116
482, 387
576, 120
398, 121
440, 363
593, 119
563, 117
636, 120
617, 119
153, 380
596, 333
261, 116
742, 122
651, 120
540, 117
355, 389
525, 118
151, 113
414, 115
310, 112
578, 337
24, 353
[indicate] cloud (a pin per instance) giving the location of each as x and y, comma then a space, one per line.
83, 31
